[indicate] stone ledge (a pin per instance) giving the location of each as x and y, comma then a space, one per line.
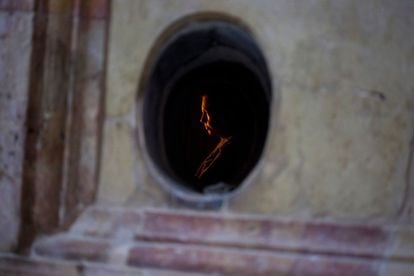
265, 233
18, 265
199, 258
249, 231
217, 243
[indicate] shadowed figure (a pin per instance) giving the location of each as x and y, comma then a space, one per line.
224, 120
225, 140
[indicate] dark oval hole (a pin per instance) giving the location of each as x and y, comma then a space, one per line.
206, 108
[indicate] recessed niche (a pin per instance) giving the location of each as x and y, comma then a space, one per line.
206, 109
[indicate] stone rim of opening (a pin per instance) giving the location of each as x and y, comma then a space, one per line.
253, 58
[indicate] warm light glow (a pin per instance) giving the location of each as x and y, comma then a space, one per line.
205, 116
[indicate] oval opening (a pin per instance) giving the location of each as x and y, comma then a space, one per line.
206, 109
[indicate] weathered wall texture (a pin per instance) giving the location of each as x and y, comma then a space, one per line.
15, 49
339, 145
64, 106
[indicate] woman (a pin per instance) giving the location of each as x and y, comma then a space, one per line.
225, 118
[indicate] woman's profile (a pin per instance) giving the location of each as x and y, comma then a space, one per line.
206, 120
225, 119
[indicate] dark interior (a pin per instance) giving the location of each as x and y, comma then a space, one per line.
221, 61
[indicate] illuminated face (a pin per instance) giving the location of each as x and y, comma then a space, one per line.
206, 116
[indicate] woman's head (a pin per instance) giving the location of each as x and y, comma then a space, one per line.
206, 119
223, 110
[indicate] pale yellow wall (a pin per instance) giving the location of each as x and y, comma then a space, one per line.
337, 147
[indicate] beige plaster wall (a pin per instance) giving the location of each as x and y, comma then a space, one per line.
339, 145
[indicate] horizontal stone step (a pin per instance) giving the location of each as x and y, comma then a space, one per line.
11, 265
373, 241
207, 242
199, 258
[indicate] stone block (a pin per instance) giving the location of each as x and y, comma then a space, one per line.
15, 49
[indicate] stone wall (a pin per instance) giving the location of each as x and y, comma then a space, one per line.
15, 50
52, 58
339, 144
331, 194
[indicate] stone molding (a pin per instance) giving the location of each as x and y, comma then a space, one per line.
92, 9
65, 110
228, 243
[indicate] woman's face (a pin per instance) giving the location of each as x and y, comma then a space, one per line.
206, 116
